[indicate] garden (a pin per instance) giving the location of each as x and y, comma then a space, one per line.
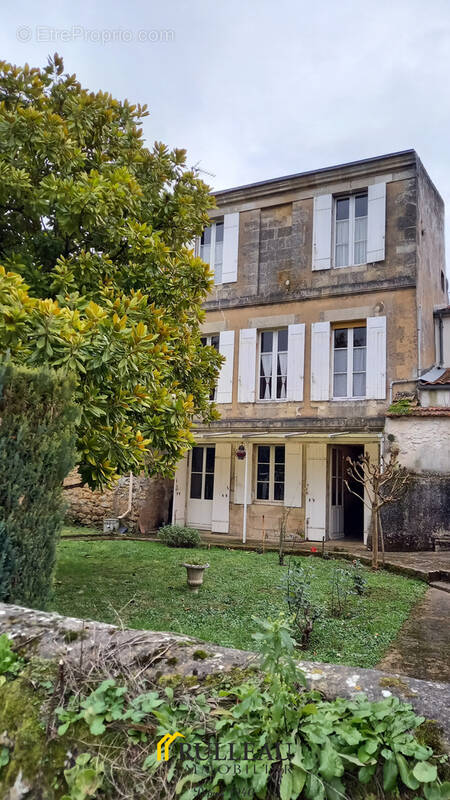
143, 585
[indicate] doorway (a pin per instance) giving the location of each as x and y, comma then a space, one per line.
346, 510
201, 487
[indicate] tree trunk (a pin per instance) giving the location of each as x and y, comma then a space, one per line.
375, 537
380, 526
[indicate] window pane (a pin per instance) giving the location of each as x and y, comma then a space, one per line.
209, 487
262, 491
279, 473
340, 386
266, 341
196, 486
359, 359
219, 232
359, 337
197, 459
215, 341
342, 208
278, 491
282, 341
205, 253
279, 454
340, 360
263, 472
359, 384
265, 387
263, 454
340, 337
361, 205
203, 341
210, 458
206, 236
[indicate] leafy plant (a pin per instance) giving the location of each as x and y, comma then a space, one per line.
296, 584
85, 778
10, 663
4, 756
179, 536
360, 584
341, 590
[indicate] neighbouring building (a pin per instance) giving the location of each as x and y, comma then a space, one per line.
329, 302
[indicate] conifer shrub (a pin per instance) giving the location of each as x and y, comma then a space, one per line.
37, 423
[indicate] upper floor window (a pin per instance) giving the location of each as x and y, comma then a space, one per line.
351, 230
349, 362
211, 249
273, 363
212, 341
270, 470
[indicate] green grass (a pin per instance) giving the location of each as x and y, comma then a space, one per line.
80, 530
143, 585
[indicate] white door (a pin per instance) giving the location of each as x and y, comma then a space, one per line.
316, 492
201, 487
336, 493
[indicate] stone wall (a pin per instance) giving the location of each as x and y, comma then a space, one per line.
425, 508
150, 505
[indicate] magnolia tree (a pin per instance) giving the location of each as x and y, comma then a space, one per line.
97, 271
380, 483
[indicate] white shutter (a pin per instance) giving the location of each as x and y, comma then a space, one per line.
376, 358
239, 476
179, 493
230, 247
320, 361
376, 222
323, 212
247, 365
296, 361
225, 381
221, 496
293, 475
316, 492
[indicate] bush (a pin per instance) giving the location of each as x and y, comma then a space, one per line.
36, 453
177, 536
297, 586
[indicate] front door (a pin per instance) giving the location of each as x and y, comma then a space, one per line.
337, 493
201, 488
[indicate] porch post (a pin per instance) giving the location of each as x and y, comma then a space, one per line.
244, 522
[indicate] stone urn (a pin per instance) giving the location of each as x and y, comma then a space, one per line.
195, 574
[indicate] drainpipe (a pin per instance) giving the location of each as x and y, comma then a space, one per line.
441, 341
244, 524
419, 339
130, 498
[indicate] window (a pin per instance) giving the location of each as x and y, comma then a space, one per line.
349, 362
211, 249
211, 341
273, 365
270, 472
202, 473
350, 230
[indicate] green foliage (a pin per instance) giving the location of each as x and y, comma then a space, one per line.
98, 270
10, 663
301, 746
85, 778
402, 407
341, 588
179, 536
359, 578
36, 453
297, 585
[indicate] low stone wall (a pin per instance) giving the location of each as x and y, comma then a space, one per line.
410, 523
150, 505
152, 654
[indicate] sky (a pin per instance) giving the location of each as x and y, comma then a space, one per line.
255, 89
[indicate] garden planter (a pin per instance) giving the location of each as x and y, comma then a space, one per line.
195, 574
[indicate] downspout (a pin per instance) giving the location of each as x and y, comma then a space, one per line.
419, 339
130, 498
244, 523
441, 341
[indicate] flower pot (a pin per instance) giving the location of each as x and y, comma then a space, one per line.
195, 574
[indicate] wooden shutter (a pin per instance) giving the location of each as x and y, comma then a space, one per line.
376, 222
221, 496
376, 358
225, 381
230, 247
247, 365
179, 493
316, 492
322, 226
296, 361
320, 361
293, 475
239, 476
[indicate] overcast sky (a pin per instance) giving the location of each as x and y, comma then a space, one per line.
255, 89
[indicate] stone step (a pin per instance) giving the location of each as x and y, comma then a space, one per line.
444, 586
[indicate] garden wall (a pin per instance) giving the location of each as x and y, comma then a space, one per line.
150, 505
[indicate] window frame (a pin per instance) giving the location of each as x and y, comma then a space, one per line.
203, 473
208, 343
212, 261
351, 197
274, 374
350, 371
270, 500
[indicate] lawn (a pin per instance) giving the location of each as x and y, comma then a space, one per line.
80, 530
142, 585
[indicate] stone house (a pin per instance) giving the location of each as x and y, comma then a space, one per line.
326, 287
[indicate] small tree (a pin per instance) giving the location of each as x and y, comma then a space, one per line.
383, 483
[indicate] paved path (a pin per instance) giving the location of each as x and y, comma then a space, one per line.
422, 647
